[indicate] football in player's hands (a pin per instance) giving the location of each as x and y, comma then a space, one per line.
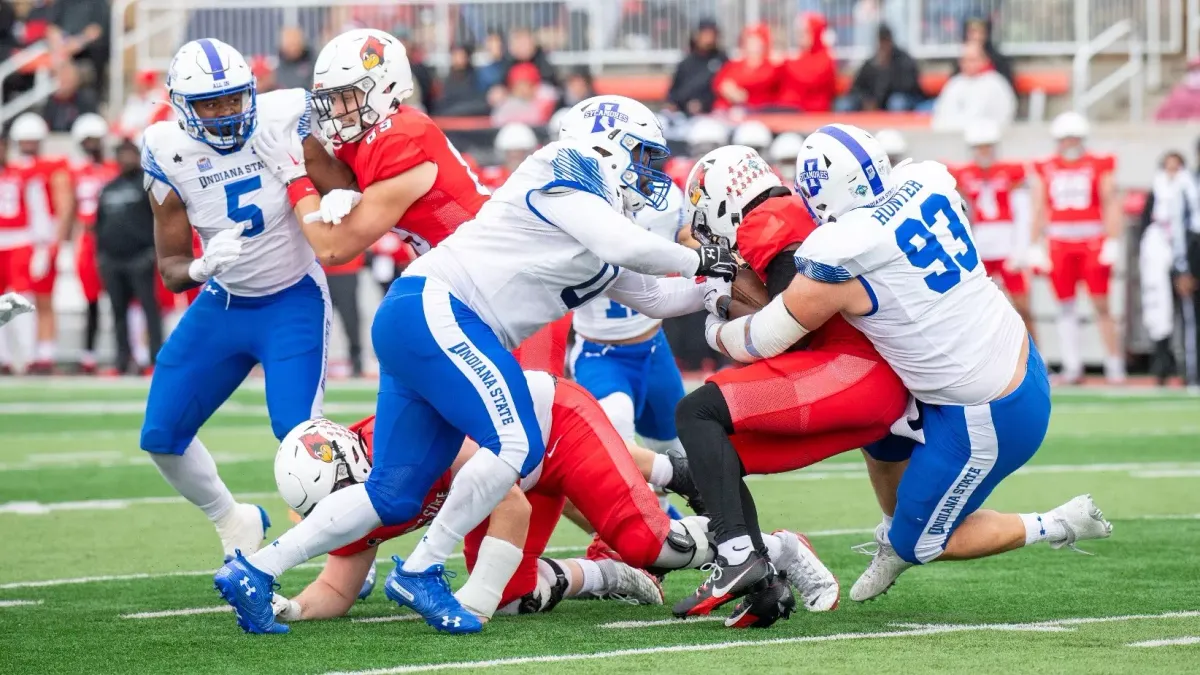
717, 261
748, 289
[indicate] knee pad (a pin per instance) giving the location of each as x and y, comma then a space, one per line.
619, 408
393, 503
689, 544
161, 440
551, 587
891, 449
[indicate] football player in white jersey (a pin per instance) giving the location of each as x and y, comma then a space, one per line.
264, 299
622, 356
894, 254
555, 236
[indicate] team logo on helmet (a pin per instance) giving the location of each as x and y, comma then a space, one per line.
607, 115
696, 189
317, 446
812, 176
371, 53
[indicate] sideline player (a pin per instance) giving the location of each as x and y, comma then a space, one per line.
51, 211
264, 299
552, 239
894, 255
1076, 234
514, 142
783, 413
90, 174
17, 197
998, 198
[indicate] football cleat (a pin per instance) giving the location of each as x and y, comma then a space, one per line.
428, 593
817, 586
368, 583
762, 608
249, 591
886, 566
628, 584
725, 583
1081, 520
682, 483
243, 529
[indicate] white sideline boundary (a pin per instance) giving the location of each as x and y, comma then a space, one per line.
1170, 642
19, 603
1056, 625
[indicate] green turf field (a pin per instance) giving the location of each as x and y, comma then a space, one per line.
91, 537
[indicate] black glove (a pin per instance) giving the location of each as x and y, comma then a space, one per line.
717, 261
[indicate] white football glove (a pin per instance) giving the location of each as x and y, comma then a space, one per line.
1038, 258
336, 204
712, 325
219, 253
282, 150
13, 305
1110, 252
714, 288
39, 264
1017, 261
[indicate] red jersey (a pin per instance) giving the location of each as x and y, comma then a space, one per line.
12, 199
403, 141
493, 177
433, 501
678, 169
774, 225
1073, 195
90, 178
988, 191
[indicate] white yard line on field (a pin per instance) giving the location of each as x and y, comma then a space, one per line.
1169, 642
134, 407
660, 622
42, 508
19, 603
97, 460
692, 648
387, 619
177, 612
1134, 469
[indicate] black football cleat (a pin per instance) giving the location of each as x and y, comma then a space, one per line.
761, 609
726, 583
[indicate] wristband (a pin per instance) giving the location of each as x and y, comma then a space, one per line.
299, 189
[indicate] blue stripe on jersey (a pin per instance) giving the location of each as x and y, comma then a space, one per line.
572, 169
150, 166
819, 271
860, 154
870, 294
304, 128
214, 59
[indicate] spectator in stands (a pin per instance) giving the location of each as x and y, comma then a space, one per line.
462, 94
491, 73
145, 106
577, 87
422, 74
30, 23
264, 74
751, 81
1183, 103
295, 68
8, 28
976, 93
808, 81
692, 85
524, 49
528, 100
79, 31
70, 101
978, 31
887, 81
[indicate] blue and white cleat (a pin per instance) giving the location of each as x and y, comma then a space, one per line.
249, 590
368, 583
244, 528
428, 593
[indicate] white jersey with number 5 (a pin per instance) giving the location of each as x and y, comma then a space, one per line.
222, 190
608, 319
938, 320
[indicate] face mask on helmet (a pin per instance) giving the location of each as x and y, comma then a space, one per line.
223, 119
650, 184
343, 111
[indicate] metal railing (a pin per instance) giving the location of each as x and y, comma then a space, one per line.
44, 83
1086, 95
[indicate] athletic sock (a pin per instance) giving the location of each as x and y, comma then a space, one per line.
44, 351
136, 319
661, 472
774, 547
1038, 528
1068, 335
593, 577
337, 520
736, 550
194, 476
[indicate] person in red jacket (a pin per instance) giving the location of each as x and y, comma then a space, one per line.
808, 81
750, 81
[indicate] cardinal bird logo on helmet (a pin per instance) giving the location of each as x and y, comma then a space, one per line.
696, 190
317, 446
371, 53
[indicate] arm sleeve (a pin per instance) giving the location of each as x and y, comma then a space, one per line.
657, 298
611, 236
780, 272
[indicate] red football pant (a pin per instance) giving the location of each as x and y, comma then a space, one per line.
45, 285
87, 268
1016, 283
799, 408
588, 463
14, 270
1075, 261
546, 349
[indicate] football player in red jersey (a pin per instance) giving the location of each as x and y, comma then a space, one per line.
514, 142
996, 194
1076, 230
783, 413
50, 216
89, 174
16, 248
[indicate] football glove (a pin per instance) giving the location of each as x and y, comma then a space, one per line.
282, 150
13, 305
1038, 259
714, 289
338, 203
219, 253
717, 261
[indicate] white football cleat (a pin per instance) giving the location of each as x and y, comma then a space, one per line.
817, 586
629, 584
1081, 520
885, 568
244, 528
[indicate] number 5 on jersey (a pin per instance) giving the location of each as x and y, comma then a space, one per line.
242, 213
920, 244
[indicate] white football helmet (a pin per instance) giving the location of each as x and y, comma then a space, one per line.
208, 69
720, 186
28, 127
981, 132
754, 134
516, 137
359, 79
621, 128
317, 458
841, 167
1070, 125
554, 126
783, 152
893, 143
706, 134
89, 125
